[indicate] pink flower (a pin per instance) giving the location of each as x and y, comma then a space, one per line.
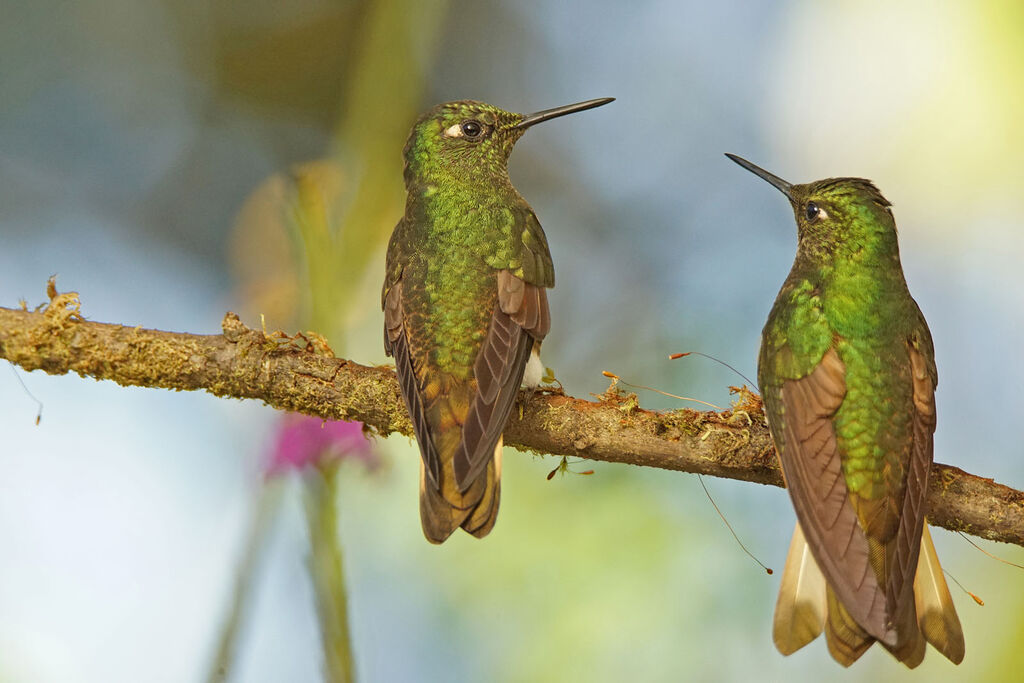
302, 441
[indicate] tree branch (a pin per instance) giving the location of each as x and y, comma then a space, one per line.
300, 373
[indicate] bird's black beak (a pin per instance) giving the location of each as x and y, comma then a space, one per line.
776, 182
549, 114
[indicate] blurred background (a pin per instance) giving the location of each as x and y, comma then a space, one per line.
171, 160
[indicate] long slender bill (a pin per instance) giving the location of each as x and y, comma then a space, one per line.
776, 182
548, 114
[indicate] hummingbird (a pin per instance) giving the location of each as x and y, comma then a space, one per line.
465, 303
847, 375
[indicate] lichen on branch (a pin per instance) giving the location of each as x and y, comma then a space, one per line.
300, 373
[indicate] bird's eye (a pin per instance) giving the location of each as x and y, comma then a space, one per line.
471, 129
812, 211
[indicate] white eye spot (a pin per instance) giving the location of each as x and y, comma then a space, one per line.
813, 212
453, 131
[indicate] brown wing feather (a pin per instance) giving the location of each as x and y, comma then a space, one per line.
466, 491
908, 539
813, 471
905, 556
396, 344
902, 550
521, 317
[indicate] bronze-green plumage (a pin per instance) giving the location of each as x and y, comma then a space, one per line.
465, 303
847, 373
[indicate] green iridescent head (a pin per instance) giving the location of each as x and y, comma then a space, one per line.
469, 140
834, 212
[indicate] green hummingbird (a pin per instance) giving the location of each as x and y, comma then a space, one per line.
847, 374
465, 303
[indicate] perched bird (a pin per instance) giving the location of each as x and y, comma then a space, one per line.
465, 304
847, 374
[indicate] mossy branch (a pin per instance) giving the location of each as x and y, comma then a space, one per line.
300, 373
